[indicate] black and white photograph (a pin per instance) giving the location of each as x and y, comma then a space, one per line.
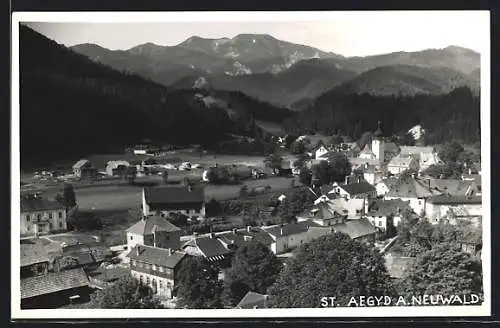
250, 164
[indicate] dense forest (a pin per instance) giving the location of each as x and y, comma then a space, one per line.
71, 106
453, 116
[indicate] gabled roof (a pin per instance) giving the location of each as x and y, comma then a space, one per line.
81, 163
356, 161
287, 229
33, 251
33, 203
401, 161
53, 282
452, 186
145, 226
174, 194
252, 300
414, 150
412, 188
210, 247
357, 188
389, 182
367, 150
356, 228
386, 207
156, 255
325, 210
391, 147
454, 200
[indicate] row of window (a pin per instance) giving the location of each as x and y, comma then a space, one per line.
51, 226
39, 216
148, 266
153, 282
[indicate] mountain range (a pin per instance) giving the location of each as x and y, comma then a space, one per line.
288, 74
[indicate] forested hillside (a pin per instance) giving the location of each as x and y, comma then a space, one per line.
453, 116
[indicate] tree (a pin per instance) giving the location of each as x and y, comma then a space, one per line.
130, 174
365, 139
254, 268
218, 175
164, 176
305, 176
213, 208
448, 170
126, 293
296, 201
301, 160
335, 140
443, 270
199, 286
68, 198
336, 169
274, 162
391, 229
450, 152
330, 265
408, 139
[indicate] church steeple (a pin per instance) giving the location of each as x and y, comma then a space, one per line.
378, 132
378, 146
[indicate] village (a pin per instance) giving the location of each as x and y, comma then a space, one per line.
143, 213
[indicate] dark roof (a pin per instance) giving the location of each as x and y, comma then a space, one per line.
252, 300
145, 226
386, 207
358, 188
398, 265
33, 251
391, 147
211, 247
53, 282
325, 211
288, 229
455, 199
356, 228
156, 255
174, 194
34, 203
412, 188
107, 275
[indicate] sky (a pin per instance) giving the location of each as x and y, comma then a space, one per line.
345, 33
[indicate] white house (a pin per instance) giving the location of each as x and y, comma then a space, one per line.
155, 231
414, 190
188, 200
425, 156
401, 163
382, 187
322, 150
289, 236
41, 216
360, 189
454, 208
379, 211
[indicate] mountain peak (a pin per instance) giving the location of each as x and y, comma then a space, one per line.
254, 36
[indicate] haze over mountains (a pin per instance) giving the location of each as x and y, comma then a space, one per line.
288, 74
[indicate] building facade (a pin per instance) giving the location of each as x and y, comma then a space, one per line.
188, 200
41, 216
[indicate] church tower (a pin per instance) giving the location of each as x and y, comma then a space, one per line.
378, 146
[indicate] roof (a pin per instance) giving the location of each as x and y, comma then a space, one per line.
287, 229
412, 188
391, 147
452, 186
357, 188
145, 226
378, 132
398, 265
210, 247
34, 203
356, 228
367, 150
413, 150
53, 282
455, 200
33, 251
389, 182
174, 194
387, 207
81, 163
401, 161
326, 210
252, 300
156, 255
356, 161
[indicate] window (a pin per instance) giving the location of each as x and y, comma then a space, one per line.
154, 267
38, 216
134, 263
161, 269
60, 214
131, 237
379, 223
60, 225
50, 215
159, 284
50, 225
28, 228
148, 280
140, 264
28, 218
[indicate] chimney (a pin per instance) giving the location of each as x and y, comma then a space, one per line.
366, 165
195, 234
429, 184
367, 205
346, 179
470, 171
281, 231
154, 235
235, 231
189, 187
249, 229
413, 175
359, 179
138, 250
169, 250
212, 235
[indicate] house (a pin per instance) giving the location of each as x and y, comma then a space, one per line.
286, 168
156, 268
402, 163
41, 216
350, 208
84, 169
359, 189
372, 173
252, 300
415, 190
154, 231
105, 276
324, 213
88, 257
116, 168
35, 259
426, 156
322, 150
471, 242
385, 185
188, 200
454, 208
397, 266
357, 162
361, 230
476, 178
288, 236
55, 289
380, 211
